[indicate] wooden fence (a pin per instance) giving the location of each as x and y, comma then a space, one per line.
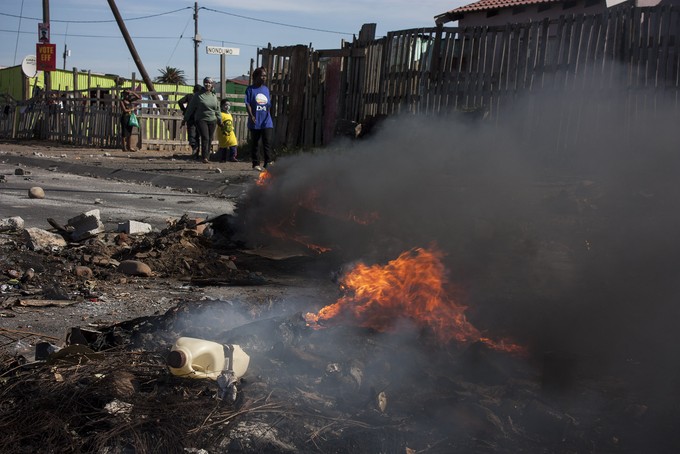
80, 119
632, 53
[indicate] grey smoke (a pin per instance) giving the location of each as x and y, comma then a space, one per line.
561, 231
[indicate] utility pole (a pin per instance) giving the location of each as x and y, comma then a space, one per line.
46, 20
197, 41
67, 53
131, 47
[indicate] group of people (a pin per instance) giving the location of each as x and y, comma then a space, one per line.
204, 114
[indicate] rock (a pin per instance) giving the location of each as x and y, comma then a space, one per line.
83, 271
39, 239
135, 268
28, 275
36, 193
18, 171
86, 225
13, 223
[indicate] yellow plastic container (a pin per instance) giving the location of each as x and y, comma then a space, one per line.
199, 358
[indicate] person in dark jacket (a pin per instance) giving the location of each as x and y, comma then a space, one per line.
204, 108
192, 133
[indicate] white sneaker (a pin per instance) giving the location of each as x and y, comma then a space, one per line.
258, 168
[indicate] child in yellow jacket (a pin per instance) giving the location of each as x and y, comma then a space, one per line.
226, 136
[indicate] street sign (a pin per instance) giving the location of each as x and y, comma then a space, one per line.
214, 50
46, 57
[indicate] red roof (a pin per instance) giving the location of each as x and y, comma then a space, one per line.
484, 5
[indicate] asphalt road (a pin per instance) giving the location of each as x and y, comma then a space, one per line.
147, 188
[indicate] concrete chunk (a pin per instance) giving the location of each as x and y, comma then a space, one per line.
39, 240
86, 225
134, 227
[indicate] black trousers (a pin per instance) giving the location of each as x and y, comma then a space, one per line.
206, 130
193, 137
266, 135
125, 128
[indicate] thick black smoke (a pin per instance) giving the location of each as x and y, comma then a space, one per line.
559, 221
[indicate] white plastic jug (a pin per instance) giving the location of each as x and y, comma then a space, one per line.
237, 360
199, 358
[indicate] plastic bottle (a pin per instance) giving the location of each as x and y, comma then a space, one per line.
196, 358
237, 360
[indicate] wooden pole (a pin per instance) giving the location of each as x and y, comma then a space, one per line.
223, 76
197, 40
133, 50
46, 20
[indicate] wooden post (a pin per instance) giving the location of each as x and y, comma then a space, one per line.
46, 20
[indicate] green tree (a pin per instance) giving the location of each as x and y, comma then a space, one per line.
171, 75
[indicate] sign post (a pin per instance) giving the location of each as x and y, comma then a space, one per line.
222, 52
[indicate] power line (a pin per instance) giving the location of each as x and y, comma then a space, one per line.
178, 41
16, 46
95, 21
76, 35
232, 42
275, 23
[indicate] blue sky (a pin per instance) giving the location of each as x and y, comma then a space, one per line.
88, 28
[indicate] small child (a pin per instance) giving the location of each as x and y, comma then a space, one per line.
226, 137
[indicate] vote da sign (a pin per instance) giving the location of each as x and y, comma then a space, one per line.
46, 57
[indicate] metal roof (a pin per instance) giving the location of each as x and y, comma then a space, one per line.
484, 5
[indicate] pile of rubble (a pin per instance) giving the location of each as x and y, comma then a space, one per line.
72, 262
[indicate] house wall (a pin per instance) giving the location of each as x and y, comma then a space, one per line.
11, 82
14, 83
529, 13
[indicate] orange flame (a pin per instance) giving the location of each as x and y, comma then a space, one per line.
409, 287
264, 178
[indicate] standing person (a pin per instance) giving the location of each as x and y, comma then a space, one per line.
260, 124
192, 133
226, 135
205, 110
128, 106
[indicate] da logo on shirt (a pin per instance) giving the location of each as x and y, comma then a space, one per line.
261, 99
